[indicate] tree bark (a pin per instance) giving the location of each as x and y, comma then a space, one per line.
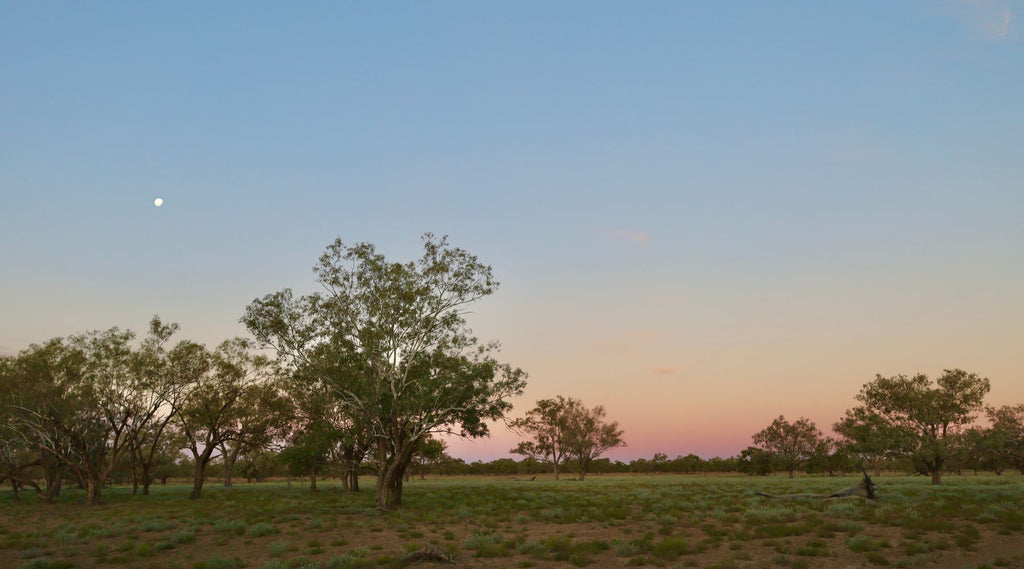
147, 479
390, 475
92, 492
197, 481
230, 456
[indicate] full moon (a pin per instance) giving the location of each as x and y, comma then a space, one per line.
158, 202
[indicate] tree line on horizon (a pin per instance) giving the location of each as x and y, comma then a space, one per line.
367, 372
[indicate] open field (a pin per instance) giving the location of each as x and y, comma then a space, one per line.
607, 521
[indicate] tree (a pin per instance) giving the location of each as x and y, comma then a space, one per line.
158, 400
430, 454
920, 420
754, 461
830, 456
1007, 434
564, 429
871, 438
392, 342
310, 451
221, 382
789, 444
20, 457
591, 436
548, 425
261, 418
75, 400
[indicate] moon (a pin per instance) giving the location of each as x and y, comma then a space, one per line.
158, 202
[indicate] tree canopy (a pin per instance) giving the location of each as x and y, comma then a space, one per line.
918, 419
789, 444
564, 429
391, 341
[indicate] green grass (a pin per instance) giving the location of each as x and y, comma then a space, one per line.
657, 521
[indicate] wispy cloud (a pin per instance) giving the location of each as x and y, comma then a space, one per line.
993, 19
632, 236
664, 370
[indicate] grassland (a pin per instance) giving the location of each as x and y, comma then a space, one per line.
609, 521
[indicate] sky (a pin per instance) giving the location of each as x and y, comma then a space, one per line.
703, 215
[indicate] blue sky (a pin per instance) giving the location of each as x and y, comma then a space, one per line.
703, 215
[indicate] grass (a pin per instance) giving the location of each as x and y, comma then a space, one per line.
646, 521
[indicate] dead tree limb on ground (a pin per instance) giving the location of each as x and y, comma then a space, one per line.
866, 488
429, 554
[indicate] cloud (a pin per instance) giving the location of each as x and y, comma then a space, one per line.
632, 236
992, 19
664, 370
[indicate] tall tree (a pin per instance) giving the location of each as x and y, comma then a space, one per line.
789, 444
392, 341
922, 419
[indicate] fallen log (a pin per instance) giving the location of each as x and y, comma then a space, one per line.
865, 488
429, 554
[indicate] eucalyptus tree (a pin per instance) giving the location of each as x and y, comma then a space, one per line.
789, 444
221, 382
872, 438
430, 454
1006, 435
261, 421
324, 432
563, 429
162, 390
391, 341
548, 427
77, 399
591, 436
921, 420
20, 460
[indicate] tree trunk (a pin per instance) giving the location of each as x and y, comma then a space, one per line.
92, 492
197, 482
353, 483
382, 489
312, 481
230, 456
936, 477
390, 475
147, 479
53, 486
